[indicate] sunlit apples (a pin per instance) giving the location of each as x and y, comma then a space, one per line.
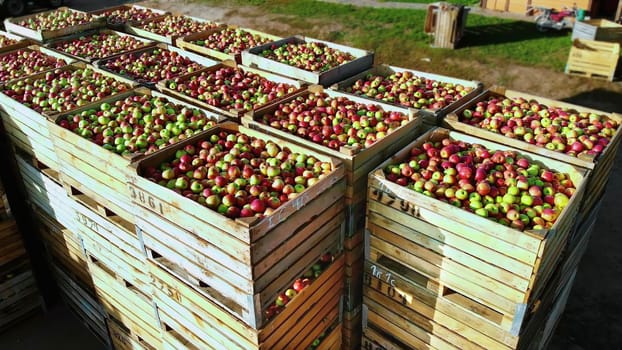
173, 25
99, 45
231, 88
503, 186
407, 89
556, 129
334, 121
127, 14
137, 124
238, 175
310, 56
57, 19
62, 90
25, 62
152, 65
232, 40
6, 41
299, 285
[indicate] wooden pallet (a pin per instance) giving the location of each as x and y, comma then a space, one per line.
597, 29
11, 26
54, 44
139, 28
593, 59
430, 117
131, 306
90, 169
189, 318
497, 269
203, 61
11, 245
188, 43
248, 260
232, 114
600, 166
363, 60
83, 304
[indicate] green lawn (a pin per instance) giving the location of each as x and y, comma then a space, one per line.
397, 36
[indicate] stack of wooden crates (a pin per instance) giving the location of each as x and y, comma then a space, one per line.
596, 49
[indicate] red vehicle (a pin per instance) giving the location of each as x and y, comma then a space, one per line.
551, 19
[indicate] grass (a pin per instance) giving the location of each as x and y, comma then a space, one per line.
397, 35
457, 2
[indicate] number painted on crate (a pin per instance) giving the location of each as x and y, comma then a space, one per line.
169, 291
379, 274
146, 200
392, 201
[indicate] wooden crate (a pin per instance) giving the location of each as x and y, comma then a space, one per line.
499, 271
233, 114
21, 42
247, 261
43, 50
54, 44
111, 239
10, 24
19, 296
94, 171
139, 28
597, 29
430, 117
600, 166
593, 59
351, 328
189, 318
188, 43
11, 245
125, 302
101, 63
362, 60
446, 22
121, 25
332, 340
83, 304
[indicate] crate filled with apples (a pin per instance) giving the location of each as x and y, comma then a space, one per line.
574, 134
48, 25
225, 43
483, 220
311, 60
168, 28
118, 17
116, 132
266, 208
231, 89
21, 63
10, 42
93, 45
149, 65
434, 94
301, 324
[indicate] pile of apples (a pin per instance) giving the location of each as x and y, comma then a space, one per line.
503, 186
5, 41
152, 65
99, 45
232, 40
129, 14
310, 56
407, 89
57, 19
230, 88
334, 122
22, 63
301, 283
62, 90
557, 129
137, 124
177, 26
238, 175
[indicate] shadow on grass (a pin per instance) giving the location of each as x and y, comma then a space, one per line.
502, 33
601, 99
